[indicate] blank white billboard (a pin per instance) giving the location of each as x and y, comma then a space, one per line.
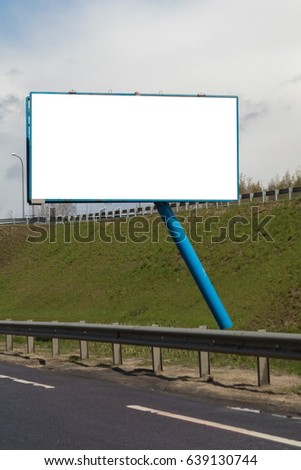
128, 147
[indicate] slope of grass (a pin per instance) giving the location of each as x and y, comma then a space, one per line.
258, 280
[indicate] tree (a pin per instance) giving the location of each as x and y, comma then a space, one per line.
287, 181
63, 209
248, 185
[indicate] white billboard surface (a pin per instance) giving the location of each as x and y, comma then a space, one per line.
109, 147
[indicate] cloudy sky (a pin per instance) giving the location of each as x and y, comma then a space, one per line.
249, 48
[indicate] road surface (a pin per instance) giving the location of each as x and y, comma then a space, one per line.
42, 409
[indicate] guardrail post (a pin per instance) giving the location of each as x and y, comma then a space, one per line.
263, 369
204, 363
83, 345
117, 352
9, 340
55, 345
157, 358
30, 343
9, 343
290, 191
276, 194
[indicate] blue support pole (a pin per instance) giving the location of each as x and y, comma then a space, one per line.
194, 264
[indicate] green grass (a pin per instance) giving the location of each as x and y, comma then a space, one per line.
148, 283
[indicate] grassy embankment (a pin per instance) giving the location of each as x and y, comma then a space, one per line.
145, 283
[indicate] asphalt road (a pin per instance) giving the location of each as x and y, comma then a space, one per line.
42, 409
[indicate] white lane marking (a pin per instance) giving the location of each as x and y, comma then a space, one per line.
279, 416
249, 410
225, 427
26, 382
252, 410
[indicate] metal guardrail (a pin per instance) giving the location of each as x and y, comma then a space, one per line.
260, 344
150, 209
249, 343
13, 221
23, 221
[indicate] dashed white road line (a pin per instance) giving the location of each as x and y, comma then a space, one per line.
26, 382
225, 427
249, 410
252, 410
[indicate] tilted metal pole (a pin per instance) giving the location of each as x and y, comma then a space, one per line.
194, 264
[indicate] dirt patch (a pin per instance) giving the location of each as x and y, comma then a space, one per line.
235, 387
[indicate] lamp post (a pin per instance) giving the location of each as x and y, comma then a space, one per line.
22, 165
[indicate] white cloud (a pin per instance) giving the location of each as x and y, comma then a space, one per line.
245, 47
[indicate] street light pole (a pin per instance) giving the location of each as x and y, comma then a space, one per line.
22, 165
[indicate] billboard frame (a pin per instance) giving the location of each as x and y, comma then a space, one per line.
29, 138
